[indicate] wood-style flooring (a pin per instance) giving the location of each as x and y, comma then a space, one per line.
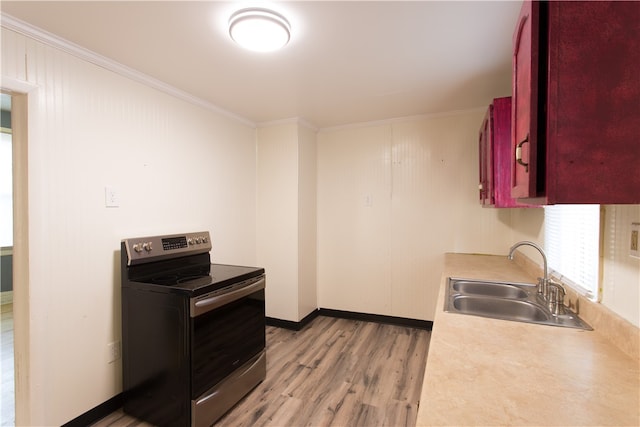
6, 356
334, 372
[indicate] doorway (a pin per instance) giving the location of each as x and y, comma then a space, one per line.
6, 262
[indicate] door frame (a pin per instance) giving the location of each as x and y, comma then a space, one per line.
22, 95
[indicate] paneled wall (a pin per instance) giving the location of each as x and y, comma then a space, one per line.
621, 278
277, 221
177, 167
392, 199
307, 221
286, 219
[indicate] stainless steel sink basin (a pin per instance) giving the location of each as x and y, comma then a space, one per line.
504, 300
490, 289
500, 308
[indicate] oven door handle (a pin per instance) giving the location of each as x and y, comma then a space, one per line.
205, 305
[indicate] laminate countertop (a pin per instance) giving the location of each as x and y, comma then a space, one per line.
486, 372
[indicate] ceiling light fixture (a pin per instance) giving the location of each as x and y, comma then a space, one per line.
259, 29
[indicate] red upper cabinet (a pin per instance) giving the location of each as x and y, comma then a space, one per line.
495, 156
576, 103
485, 143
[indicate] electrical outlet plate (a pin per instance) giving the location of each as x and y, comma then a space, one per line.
111, 197
634, 240
115, 351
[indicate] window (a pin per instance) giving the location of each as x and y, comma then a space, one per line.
572, 244
6, 192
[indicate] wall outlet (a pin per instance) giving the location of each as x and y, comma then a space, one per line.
115, 351
634, 240
111, 197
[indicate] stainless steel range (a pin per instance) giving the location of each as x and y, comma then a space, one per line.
193, 332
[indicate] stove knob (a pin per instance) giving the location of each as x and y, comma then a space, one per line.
190, 241
147, 246
198, 240
137, 247
204, 239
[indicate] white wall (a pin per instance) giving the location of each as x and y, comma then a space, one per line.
354, 242
277, 219
307, 225
177, 167
392, 199
621, 278
286, 219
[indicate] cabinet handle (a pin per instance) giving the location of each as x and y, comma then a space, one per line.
519, 154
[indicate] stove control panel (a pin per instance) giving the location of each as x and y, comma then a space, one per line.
146, 246
148, 249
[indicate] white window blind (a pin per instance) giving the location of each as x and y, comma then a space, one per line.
572, 244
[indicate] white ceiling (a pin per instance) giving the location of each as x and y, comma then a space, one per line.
347, 62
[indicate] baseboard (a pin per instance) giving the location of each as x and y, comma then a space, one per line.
376, 318
289, 324
97, 413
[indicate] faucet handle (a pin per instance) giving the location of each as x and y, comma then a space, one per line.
556, 294
558, 290
543, 287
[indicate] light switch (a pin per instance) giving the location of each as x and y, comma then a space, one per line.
634, 240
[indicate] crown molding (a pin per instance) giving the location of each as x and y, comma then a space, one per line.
395, 120
292, 120
14, 24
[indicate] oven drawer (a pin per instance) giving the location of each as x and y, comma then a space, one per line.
223, 396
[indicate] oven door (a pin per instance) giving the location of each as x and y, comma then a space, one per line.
228, 330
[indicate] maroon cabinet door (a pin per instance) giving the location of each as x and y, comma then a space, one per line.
524, 117
576, 112
485, 187
495, 156
593, 102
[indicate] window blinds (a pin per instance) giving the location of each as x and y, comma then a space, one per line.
572, 242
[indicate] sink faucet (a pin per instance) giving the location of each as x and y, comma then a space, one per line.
557, 293
543, 284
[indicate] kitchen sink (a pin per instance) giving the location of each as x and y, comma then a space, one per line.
509, 309
490, 289
512, 301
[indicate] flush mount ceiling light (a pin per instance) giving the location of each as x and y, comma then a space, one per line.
259, 29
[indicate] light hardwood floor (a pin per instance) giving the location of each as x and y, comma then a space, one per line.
335, 372
6, 355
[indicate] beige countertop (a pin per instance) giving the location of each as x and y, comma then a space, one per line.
492, 372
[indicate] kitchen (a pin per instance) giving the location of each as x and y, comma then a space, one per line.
324, 243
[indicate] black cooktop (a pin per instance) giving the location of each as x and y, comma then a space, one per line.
178, 263
198, 280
